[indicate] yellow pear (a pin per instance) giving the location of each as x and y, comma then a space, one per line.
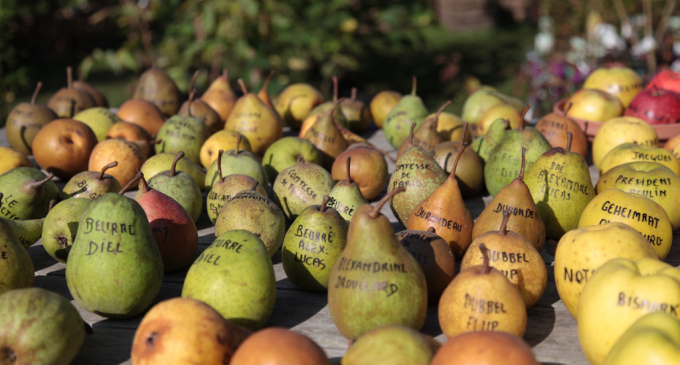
622, 130
631, 152
221, 140
11, 158
295, 102
505, 111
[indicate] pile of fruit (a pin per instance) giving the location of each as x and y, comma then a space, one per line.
227, 159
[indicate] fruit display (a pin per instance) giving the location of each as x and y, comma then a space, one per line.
243, 229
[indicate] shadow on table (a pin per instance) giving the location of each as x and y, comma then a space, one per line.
540, 323
293, 307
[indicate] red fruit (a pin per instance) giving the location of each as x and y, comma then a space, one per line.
656, 106
667, 80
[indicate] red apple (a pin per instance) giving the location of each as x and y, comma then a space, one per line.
656, 106
667, 80
621, 82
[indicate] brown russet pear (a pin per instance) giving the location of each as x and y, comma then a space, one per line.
525, 219
369, 170
24, 122
426, 135
198, 108
375, 282
143, 113
434, 256
561, 186
420, 174
470, 170
255, 120
69, 101
515, 257
220, 96
553, 127
157, 87
481, 298
325, 135
445, 210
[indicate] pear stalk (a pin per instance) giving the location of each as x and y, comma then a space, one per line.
324, 204
503, 229
130, 183
219, 165
243, 86
414, 85
569, 137
173, 169
40, 183
35, 93
452, 175
143, 186
376, 210
485, 253
101, 173
521, 168
439, 112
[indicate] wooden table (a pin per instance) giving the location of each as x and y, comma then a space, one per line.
551, 330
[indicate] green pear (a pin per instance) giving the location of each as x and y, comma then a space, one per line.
485, 144
484, 99
285, 153
180, 133
300, 186
235, 276
114, 267
99, 119
39, 327
312, 245
390, 344
420, 174
375, 281
91, 184
237, 161
561, 187
346, 196
16, 267
28, 231
179, 186
410, 109
504, 162
61, 226
252, 211
27, 193
163, 161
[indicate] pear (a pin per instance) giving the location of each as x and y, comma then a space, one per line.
164, 161
300, 186
179, 186
381, 105
28, 231
38, 326
369, 170
295, 102
484, 99
409, 110
183, 133
235, 276
91, 184
470, 173
226, 187
375, 281
445, 210
220, 97
515, 257
525, 219
129, 155
255, 120
434, 256
27, 193
356, 113
157, 87
25, 120
312, 245
70, 101
561, 187
142, 113
481, 298
391, 344
251, 211
237, 161
425, 135
322, 109
486, 143
325, 135
61, 226
346, 196
16, 266
553, 127
97, 96
420, 174
198, 108
504, 161
286, 152
291, 348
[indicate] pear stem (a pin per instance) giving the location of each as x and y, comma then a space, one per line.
40, 183
35, 93
324, 204
265, 87
80, 74
521, 119
414, 85
255, 185
353, 94
219, 165
131, 182
335, 88
462, 137
173, 169
485, 254
376, 210
69, 77
503, 229
192, 94
143, 185
53, 202
410, 135
452, 175
520, 177
348, 179
569, 137
439, 112
568, 108
155, 141
238, 143
243, 86
225, 74
193, 81
101, 173
299, 159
